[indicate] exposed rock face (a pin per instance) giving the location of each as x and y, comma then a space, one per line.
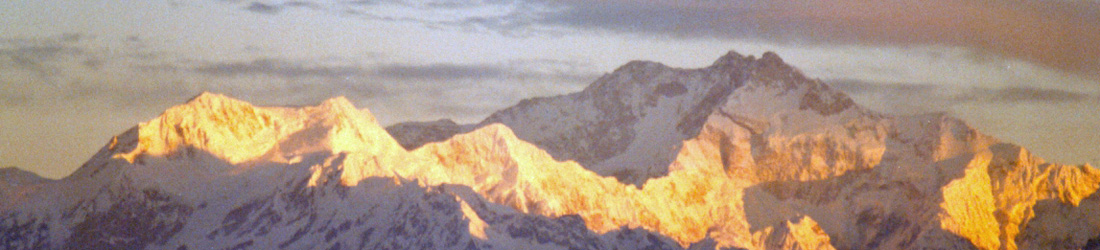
746, 153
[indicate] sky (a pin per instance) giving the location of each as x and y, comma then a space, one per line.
75, 73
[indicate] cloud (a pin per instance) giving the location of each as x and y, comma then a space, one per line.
912, 98
1022, 94
263, 8
271, 8
276, 67
39, 56
31, 51
394, 91
400, 72
301, 4
440, 71
1054, 124
858, 87
519, 70
68, 71
1055, 34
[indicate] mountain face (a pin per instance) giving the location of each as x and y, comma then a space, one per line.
631, 123
746, 153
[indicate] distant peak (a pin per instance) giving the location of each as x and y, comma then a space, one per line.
640, 65
342, 107
732, 59
17, 176
771, 56
207, 97
12, 170
732, 55
338, 103
445, 121
209, 102
771, 59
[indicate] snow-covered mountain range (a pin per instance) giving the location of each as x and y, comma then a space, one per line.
745, 153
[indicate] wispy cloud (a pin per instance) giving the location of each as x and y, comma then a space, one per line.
276, 67
38, 55
1021, 94
275, 8
518, 70
399, 91
440, 71
263, 8
910, 98
535, 69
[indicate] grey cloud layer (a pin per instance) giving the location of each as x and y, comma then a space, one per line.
1056, 34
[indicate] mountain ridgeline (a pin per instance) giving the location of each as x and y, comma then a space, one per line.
747, 153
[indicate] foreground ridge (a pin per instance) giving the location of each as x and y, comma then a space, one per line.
745, 153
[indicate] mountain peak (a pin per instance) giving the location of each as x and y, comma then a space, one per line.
340, 102
230, 128
731, 56
640, 66
209, 101
15, 176
732, 59
735, 60
217, 106
771, 58
207, 96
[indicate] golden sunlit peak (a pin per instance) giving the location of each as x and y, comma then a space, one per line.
338, 105
342, 107
213, 100
207, 95
237, 131
338, 102
230, 128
